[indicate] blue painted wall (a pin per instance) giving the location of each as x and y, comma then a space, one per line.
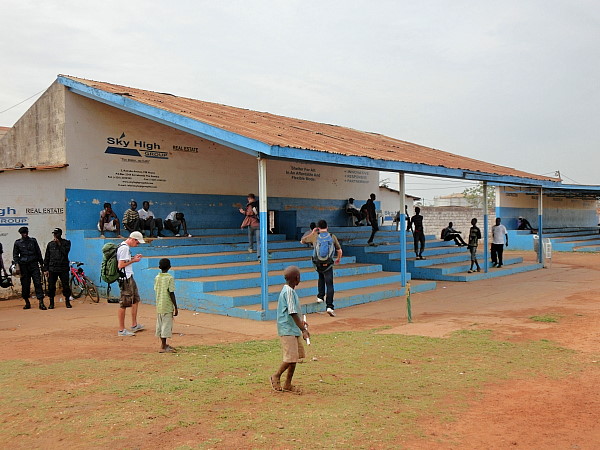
201, 211
553, 217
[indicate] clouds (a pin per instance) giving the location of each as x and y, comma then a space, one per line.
515, 83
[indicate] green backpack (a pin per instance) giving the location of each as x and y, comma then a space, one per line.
109, 271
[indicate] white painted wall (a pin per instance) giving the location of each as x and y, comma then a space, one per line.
186, 163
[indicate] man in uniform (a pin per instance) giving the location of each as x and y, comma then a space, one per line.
56, 265
27, 254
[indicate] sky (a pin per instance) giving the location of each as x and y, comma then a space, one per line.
515, 83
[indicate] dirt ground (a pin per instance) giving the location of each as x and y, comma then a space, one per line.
540, 413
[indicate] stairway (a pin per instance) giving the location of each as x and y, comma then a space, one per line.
579, 239
216, 274
445, 261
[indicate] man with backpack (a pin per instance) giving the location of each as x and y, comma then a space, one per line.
325, 246
130, 296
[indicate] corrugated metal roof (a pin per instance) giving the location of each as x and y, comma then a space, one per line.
281, 131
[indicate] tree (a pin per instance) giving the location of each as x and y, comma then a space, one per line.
474, 196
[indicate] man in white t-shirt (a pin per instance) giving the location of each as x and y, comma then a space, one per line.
130, 297
149, 221
175, 221
499, 237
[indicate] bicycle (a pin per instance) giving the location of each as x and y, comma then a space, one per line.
81, 284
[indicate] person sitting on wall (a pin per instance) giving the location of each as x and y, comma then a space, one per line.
450, 233
149, 221
109, 221
131, 218
175, 221
354, 211
523, 224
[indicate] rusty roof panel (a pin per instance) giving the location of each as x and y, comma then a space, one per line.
288, 132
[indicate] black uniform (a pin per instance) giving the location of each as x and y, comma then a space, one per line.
27, 253
56, 263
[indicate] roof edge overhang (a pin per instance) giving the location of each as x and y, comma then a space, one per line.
366, 163
257, 148
183, 123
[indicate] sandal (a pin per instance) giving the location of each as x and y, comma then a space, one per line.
276, 385
167, 349
294, 390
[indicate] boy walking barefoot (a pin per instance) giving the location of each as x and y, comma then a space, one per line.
166, 306
289, 328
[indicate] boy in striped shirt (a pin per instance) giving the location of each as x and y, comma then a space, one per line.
166, 305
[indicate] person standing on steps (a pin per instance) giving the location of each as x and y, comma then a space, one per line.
251, 222
474, 236
371, 212
416, 223
326, 245
56, 266
27, 254
499, 237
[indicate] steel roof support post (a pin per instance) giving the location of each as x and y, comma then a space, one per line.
486, 261
264, 221
402, 227
541, 226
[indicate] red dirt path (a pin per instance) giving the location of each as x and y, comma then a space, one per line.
540, 413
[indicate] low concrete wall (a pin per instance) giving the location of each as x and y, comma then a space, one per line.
437, 217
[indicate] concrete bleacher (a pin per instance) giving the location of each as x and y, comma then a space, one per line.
566, 239
216, 274
445, 261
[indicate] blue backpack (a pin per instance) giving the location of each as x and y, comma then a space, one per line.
323, 254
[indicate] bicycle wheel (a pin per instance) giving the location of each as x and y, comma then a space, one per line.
76, 287
92, 290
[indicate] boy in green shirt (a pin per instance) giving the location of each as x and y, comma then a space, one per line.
166, 306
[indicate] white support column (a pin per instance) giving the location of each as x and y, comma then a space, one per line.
402, 227
486, 259
264, 222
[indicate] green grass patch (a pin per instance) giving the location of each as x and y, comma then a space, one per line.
364, 389
548, 318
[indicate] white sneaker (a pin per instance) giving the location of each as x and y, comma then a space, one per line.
177, 235
330, 312
189, 235
138, 327
320, 300
125, 333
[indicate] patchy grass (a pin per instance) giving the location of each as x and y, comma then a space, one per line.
364, 390
548, 318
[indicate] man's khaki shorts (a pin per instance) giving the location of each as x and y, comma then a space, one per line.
293, 349
129, 293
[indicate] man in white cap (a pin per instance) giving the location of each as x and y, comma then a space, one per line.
130, 296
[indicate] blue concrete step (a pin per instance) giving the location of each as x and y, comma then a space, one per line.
569, 246
249, 296
437, 272
493, 272
206, 270
174, 250
587, 248
249, 280
342, 300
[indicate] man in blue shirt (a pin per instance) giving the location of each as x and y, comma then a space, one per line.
289, 328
